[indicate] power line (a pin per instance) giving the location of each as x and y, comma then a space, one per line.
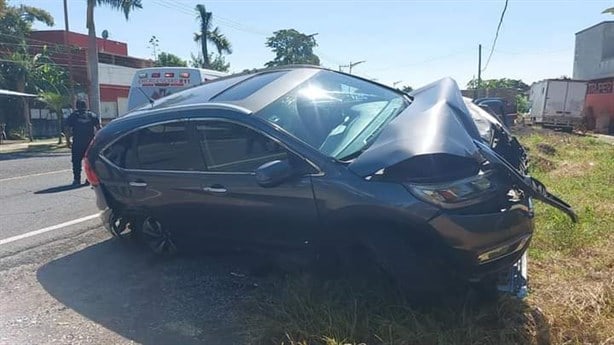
28, 41
223, 20
492, 48
52, 63
457, 53
185, 9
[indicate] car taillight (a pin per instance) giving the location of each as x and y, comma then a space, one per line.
87, 167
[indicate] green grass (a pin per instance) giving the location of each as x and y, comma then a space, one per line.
571, 271
582, 173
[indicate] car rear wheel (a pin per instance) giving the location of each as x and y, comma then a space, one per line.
157, 237
119, 226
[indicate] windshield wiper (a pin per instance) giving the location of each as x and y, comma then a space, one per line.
357, 153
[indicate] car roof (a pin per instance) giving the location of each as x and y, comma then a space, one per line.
251, 90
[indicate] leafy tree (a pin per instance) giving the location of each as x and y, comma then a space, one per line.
498, 84
292, 47
608, 10
24, 71
16, 64
216, 62
126, 6
207, 34
169, 60
522, 103
56, 101
407, 89
154, 43
16, 24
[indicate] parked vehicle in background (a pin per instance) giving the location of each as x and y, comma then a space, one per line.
305, 158
498, 107
156, 82
558, 103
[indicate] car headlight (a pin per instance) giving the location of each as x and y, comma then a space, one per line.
458, 193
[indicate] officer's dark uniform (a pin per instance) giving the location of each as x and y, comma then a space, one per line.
83, 123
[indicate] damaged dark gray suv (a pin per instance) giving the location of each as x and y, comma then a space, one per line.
308, 158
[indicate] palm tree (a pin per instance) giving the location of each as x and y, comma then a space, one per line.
206, 35
92, 49
55, 101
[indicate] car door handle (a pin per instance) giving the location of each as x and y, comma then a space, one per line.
215, 189
137, 184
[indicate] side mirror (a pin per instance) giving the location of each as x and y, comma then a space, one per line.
273, 173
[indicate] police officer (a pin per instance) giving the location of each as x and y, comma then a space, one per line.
82, 124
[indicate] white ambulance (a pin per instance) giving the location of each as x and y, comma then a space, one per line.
156, 82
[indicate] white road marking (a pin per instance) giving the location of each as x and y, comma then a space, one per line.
32, 175
49, 228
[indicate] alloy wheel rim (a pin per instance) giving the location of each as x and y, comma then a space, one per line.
157, 237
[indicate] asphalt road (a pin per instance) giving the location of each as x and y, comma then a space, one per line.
64, 282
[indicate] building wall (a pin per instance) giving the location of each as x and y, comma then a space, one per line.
115, 84
80, 40
113, 100
599, 106
115, 75
594, 52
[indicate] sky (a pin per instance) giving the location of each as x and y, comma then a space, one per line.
411, 42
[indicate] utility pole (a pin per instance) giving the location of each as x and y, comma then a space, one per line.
71, 92
66, 15
479, 71
351, 65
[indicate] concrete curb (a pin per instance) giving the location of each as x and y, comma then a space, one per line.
36, 146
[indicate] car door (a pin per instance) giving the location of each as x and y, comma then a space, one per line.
165, 181
243, 210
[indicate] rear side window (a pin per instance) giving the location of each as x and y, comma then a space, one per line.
122, 153
167, 147
230, 147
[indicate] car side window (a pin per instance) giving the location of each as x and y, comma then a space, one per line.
122, 153
230, 147
167, 147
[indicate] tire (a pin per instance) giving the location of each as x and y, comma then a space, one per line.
120, 226
414, 273
157, 237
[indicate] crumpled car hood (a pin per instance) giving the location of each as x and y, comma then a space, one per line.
437, 121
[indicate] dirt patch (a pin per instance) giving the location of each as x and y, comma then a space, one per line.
572, 169
546, 149
541, 163
605, 207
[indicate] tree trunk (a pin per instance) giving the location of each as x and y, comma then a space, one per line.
92, 60
60, 125
203, 42
21, 87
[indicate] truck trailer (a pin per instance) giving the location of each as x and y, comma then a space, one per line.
558, 103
